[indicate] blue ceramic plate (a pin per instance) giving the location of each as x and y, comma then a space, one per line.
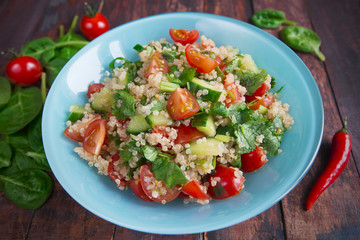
262, 189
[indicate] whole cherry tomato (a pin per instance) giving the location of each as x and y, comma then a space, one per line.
24, 71
93, 23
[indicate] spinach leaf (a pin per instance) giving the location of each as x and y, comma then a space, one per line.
302, 39
34, 134
28, 188
24, 105
5, 91
42, 48
127, 105
168, 171
5, 154
53, 68
269, 18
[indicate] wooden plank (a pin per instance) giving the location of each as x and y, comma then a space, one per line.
335, 214
123, 233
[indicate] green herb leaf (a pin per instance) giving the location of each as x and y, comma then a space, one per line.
138, 48
168, 172
5, 91
127, 105
219, 109
269, 18
53, 68
43, 49
5, 154
273, 136
150, 153
251, 80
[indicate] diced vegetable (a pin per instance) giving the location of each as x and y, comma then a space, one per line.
137, 124
205, 123
210, 147
76, 112
209, 91
103, 100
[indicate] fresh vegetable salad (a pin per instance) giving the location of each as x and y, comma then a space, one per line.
185, 120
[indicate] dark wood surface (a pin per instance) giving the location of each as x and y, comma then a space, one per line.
336, 214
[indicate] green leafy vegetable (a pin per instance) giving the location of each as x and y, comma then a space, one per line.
53, 68
5, 91
24, 105
138, 48
273, 136
302, 39
150, 153
5, 154
126, 152
251, 80
169, 56
219, 109
127, 105
28, 188
187, 75
168, 172
269, 18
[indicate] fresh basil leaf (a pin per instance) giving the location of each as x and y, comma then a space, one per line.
127, 105
5, 91
5, 154
168, 172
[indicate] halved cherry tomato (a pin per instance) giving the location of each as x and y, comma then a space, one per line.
193, 189
202, 62
94, 137
75, 134
114, 175
93, 88
182, 104
225, 182
184, 36
156, 190
136, 188
233, 95
264, 88
186, 134
254, 160
265, 101
157, 64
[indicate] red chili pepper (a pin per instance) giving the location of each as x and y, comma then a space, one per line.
339, 157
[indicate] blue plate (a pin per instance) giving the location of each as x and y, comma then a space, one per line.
262, 189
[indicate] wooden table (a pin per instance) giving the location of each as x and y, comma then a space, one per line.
336, 215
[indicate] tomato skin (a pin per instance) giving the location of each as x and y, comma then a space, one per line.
92, 27
114, 175
75, 135
186, 134
94, 88
230, 182
265, 101
182, 104
136, 188
94, 137
193, 189
253, 160
233, 95
24, 71
264, 88
157, 64
202, 63
184, 36
147, 178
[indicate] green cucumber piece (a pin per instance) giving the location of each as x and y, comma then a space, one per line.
223, 138
103, 100
76, 112
168, 86
210, 147
262, 110
198, 84
247, 62
158, 120
204, 123
137, 124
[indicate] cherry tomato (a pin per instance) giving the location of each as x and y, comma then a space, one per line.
264, 88
182, 104
74, 133
202, 62
265, 101
94, 26
24, 71
114, 175
193, 189
94, 137
156, 190
94, 88
254, 160
225, 182
157, 64
233, 95
186, 134
136, 188
222, 65
184, 36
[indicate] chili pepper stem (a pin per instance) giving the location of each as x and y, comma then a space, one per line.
344, 129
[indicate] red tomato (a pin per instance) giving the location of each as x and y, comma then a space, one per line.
24, 71
233, 95
94, 88
264, 101
229, 182
157, 64
254, 160
187, 134
184, 36
193, 189
114, 175
75, 134
163, 193
264, 88
202, 62
182, 104
222, 65
136, 188
94, 26
94, 137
